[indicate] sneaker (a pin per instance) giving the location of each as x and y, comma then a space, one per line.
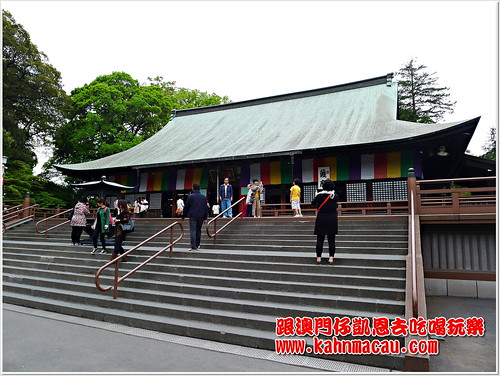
94, 251
103, 251
300, 215
192, 249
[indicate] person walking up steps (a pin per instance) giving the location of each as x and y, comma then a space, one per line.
101, 225
196, 209
79, 220
122, 218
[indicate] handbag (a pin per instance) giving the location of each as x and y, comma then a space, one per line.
128, 227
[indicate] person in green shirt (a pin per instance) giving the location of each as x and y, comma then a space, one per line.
101, 225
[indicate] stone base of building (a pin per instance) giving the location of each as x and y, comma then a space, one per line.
459, 287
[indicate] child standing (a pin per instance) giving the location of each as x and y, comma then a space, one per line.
295, 198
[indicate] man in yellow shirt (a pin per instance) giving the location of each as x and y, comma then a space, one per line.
295, 198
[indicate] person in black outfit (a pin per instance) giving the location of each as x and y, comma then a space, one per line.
196, 209
326, 220
122, 217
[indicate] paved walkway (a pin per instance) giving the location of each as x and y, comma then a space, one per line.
39, 341
465, 354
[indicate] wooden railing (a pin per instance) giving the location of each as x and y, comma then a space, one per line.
285, 209
372, 207
214, 221
59, 216
415, 304
117, 279
440, 196
344, 208
16, 214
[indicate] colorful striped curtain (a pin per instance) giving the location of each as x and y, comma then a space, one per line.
168, 180
355, 167
363, 167
278, 172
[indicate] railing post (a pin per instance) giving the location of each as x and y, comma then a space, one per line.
115, 292
412, 187
171, 241
455, 202
26, 204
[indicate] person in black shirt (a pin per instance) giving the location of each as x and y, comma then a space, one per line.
122, 217
326, 220
196, 209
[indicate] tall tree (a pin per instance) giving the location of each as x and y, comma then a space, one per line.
421, 100
114, 112
490, 147
111, 114
34, 102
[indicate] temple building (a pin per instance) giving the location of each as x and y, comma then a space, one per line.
348, 133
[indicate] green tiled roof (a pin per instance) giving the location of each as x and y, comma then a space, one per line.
359, 113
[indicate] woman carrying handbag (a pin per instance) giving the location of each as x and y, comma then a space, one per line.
122, 218
326, 220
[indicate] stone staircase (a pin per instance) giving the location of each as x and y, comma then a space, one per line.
231, 292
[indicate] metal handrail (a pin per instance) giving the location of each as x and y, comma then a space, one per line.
214, 220
46, 220
115, 261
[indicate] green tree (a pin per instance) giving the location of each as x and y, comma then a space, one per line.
19, 180
114, 112
421, 100
187, 98
490, 147
34, 102
111, 114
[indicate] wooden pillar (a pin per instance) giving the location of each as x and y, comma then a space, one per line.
26, 203
412, 187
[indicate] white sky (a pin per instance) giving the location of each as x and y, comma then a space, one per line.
253, 49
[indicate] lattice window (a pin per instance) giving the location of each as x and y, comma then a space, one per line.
356, 192
390, 190
308, 192
155, 200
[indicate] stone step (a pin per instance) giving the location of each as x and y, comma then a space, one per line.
258, 271
229, 299
255, 315
304, 258
183, 246
249, 337
87, 274
327, 275
341, 240
73, 258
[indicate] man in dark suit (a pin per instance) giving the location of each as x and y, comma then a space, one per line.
196, 209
